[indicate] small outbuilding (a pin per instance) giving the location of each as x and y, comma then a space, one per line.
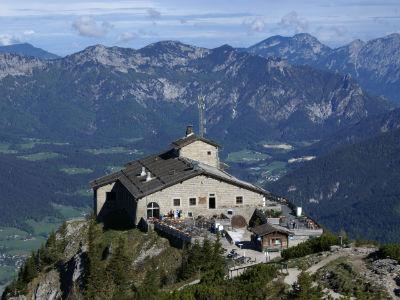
268, 237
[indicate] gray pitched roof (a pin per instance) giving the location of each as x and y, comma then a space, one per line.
267, 228
190, 139
167, 169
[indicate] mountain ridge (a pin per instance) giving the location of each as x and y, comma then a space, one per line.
375, 64
26, 49
238, 87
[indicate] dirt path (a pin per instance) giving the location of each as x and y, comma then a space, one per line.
190, 283
293, 273
327, 260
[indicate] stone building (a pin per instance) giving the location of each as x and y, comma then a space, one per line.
186, 180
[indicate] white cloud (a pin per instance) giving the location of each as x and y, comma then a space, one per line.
87, 26
8, 39
254, 25
292, 21
28, 32
127, 37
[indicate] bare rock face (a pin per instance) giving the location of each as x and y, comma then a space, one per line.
48, 287
75, 235
15, 65
386, 267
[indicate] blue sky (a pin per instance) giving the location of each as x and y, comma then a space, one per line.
67, 26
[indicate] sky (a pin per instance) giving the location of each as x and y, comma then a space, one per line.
67, 26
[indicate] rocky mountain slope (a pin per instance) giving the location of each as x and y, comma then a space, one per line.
16, 65
375, 64
26, 49
116, 92
84, 261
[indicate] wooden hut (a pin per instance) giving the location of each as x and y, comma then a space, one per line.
268, 237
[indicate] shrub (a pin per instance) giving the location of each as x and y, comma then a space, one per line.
315, 245
390, 251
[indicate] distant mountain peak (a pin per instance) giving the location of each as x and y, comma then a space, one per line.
26, 49
170, 45
305, 37
287, 47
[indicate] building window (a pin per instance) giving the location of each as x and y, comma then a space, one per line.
212, 201
192, 201
276, 242
208, 152
177, 202
153, 210
230, 212
239, 200
190, 214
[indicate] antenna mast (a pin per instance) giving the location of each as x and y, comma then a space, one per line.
201, 106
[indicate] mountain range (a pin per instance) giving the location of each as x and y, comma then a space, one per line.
374, 64
82, 95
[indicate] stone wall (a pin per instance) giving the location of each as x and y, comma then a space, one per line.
100, 196
201, 187
202, 152
124, 202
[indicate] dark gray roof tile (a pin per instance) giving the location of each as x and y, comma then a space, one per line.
166, 170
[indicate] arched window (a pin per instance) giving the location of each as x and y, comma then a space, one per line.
153, 210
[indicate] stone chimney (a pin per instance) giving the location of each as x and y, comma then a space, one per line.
189, 130
148, 177
143, 173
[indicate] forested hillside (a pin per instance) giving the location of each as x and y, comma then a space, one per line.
355, 188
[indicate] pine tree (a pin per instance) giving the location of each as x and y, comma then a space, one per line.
119, 266
29, 270
150, 287
99, 284
304, 289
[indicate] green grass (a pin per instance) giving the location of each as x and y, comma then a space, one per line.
23, 246
40, 156
44, 227
30, 143
11, 232
113, 150
5, 149
69, 212
76, 171
246, 156
276, 166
